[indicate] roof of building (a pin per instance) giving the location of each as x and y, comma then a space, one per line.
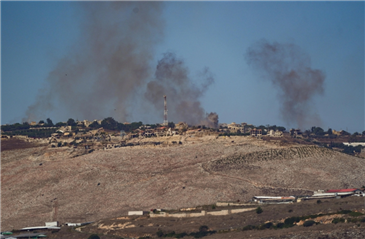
39, 227
342, 190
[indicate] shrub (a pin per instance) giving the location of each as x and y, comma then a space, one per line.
198, 234
337, 220
202, 233
248, 227
261, 227
259, 210
94, 236
355, 214
290, 221
268, 225
353, 220
159, 233
319, 201
203, 228
345, 211
171, 234
180, 235
280, 225
363, 220
309, 223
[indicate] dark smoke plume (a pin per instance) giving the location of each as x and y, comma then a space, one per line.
212, 120
288, 68
183, 96
108, 64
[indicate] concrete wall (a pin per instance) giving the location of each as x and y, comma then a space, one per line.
161, 214
226, 204
218, 213
202, 213
179, 215
242, 210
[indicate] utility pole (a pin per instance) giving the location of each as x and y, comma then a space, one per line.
165, 122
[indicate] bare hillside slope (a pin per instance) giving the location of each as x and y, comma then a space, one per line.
44, 184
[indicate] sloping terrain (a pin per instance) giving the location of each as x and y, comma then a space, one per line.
300, 167
13, 143
45, 184
230, 226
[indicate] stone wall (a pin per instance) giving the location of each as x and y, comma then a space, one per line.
202, 213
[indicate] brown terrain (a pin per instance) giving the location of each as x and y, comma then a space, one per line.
41, 184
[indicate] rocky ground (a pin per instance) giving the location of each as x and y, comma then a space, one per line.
232, 226
40, 184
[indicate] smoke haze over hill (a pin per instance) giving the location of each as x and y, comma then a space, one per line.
107, 64
172, 79
112, 61
288, 68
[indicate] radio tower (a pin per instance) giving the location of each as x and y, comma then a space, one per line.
165, 122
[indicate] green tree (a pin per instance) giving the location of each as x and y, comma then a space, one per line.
94, 236
171, 125
94, 124
41, 122
71, 122
203, 228
159, 233
259, 210
136, 125
109, 123
49, 122
318, 131
60, 124
309, 223
281, 128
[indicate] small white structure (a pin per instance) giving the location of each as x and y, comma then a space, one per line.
355, 144
270, 199
276, 133
77, 224
136, 213
52, 224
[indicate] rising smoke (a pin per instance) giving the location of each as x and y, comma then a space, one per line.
111, 62
183, 96
107, 65
288, 68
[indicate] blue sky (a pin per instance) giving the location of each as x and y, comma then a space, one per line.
36, 35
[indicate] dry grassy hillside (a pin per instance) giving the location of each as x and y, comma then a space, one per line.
43, 184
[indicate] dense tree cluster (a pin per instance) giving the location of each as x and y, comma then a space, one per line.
346, 149
111, 124
15, 127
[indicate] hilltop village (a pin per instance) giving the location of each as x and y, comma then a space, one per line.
92, 134
108, 134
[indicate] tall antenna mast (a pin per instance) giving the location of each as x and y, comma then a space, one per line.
165, 122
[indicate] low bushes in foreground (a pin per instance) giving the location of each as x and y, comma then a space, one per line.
203, 231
